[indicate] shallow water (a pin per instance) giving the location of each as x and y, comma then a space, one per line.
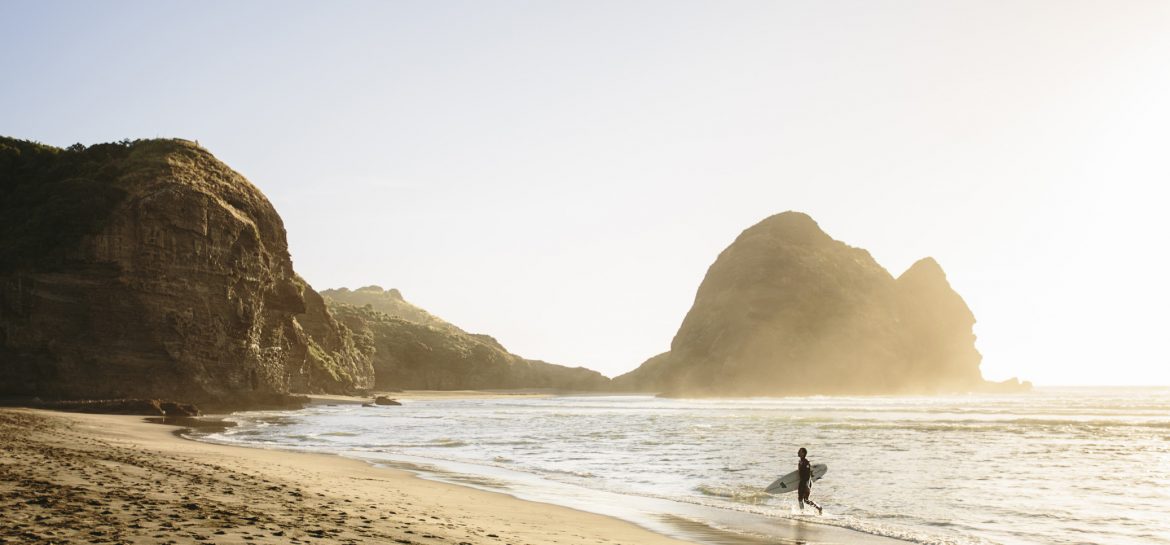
1053, 466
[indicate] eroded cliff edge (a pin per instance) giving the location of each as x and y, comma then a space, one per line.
788, 310
151, 269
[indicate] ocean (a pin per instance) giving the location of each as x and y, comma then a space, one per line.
1054, 466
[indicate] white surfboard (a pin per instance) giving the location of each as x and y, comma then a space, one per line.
791, 481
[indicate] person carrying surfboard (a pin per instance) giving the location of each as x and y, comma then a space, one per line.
804, 468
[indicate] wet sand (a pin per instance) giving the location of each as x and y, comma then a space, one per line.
106, 479
117, 479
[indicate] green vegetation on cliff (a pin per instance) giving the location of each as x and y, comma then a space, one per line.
51, 197
413, 349
388, 301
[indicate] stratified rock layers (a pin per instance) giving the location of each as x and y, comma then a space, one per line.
788, 310
177, 283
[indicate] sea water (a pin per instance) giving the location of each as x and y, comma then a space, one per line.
1056, 466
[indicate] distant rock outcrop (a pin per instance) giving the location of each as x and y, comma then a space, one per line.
788, 310
149, 269
413, 349
386, 301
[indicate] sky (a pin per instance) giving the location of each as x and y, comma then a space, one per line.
560, 175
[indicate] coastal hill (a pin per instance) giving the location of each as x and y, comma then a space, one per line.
385, 301
151, 269
788, 310
413, 349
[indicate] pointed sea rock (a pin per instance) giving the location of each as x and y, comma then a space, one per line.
788, 310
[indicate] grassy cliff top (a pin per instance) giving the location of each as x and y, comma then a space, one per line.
50, 198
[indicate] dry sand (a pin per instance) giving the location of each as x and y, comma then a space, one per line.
80, 478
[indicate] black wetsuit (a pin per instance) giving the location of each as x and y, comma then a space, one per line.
805, 486
804, 489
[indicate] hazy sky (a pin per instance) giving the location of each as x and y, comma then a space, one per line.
561, 174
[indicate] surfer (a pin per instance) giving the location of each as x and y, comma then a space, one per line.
804, 468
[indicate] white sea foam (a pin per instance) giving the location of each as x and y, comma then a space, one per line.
1054, 466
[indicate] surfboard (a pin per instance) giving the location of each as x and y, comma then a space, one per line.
791, 481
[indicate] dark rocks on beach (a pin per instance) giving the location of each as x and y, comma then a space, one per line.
171, 408
383, 400
144, 407
788, 310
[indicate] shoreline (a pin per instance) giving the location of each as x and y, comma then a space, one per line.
71, 477
308, 497
690, 522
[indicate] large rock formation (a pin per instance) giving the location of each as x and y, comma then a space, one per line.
414, 349
150, 269
788, 310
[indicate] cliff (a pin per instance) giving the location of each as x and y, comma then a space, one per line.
336, 360
151, 269
788, 310
413, 349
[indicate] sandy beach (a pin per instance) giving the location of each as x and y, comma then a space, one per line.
82, 478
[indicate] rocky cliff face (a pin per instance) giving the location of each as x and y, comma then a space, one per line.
414, 349
336, 360
151, 269
939, 324
788, 310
